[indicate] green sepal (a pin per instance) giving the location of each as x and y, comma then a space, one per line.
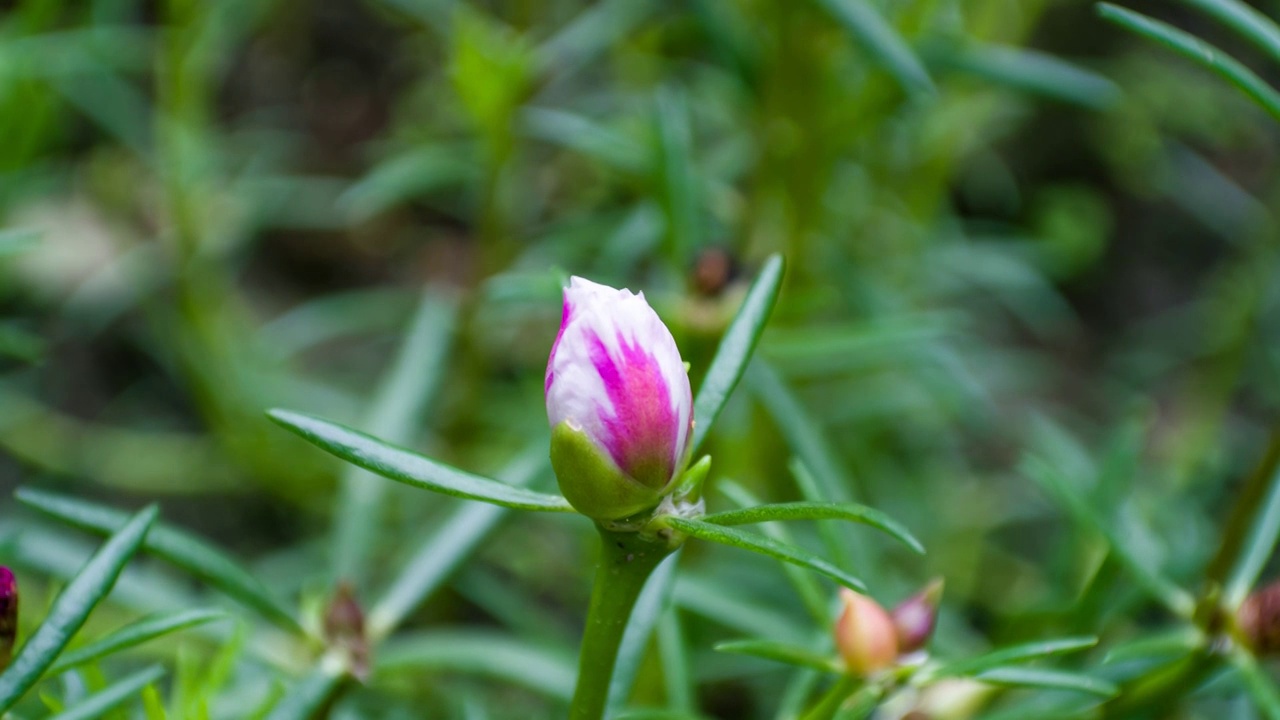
591, 482
689, 486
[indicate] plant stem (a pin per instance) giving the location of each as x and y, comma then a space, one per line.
830, 702
626, 561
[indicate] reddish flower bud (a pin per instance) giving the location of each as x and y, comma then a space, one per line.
865, 635
915, 617
344, 629
1259, 619
8, 615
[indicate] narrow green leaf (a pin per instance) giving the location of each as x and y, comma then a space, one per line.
1033, 72
780, 652
1258, 544
765, 546
1255, 27
410, 468
112, 696
1177, 600
816, 598
541, 669
819, 511
1047, 680
1025, 652
1197, 50
586, 136
678, 678
449, 543
148, 628
72, 608
1258, 683
405, 390
735, 349
308, 695
1180, 642
187, 552
880, 41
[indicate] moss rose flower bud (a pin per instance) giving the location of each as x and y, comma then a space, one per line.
8, 615
915, 617
618, 401
865, 635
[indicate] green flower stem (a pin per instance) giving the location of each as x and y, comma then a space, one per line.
626, 561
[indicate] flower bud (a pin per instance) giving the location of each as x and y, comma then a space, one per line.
8, 615
865, 635
618, 401
1259, 620
344, 630
915, 617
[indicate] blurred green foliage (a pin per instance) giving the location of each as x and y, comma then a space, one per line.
1029, 312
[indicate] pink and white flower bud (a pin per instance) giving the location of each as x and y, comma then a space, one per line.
618, 401
865, 635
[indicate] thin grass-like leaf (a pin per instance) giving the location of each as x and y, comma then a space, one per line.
819, 511
541, 669
1177, 600
1022, 677
450, 542
410, 468
1258, 683
72, 608
816, 598
403, 393
1025, 652
144, 630
882, 43
1197, 50
1255, 27
764, 546
308, 695
735, 349
1035, 73
1258, 544
1179, 642
678, 678
185, 551
112, 696
780, 652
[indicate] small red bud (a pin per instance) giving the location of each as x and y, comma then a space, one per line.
344, 628
915, 617
8, 615
865, 635
1259, 619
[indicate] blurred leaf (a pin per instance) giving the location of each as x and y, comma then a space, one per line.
781, 652
410, 468
1016, 654
587, 137
450, 542
1261, 530
678, 679
597, 28
1255, 27
735, 349
1178, 642
144, 630
818, 511
1197, 50
72, 608
1177, 600
188, 552
307, 696
1033, 72
405, 177
1047, 680
880, 41
405, 390
681, 192
764, 546
111, 697
1258, 683
499, 656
